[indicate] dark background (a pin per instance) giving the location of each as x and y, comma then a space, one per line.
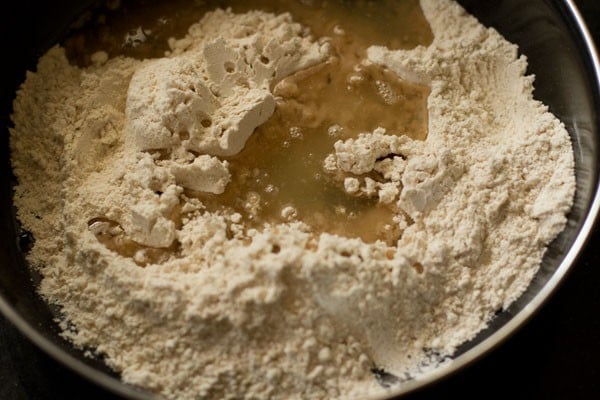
555, 356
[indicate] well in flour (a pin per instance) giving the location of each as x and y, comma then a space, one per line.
120, 164
281, 165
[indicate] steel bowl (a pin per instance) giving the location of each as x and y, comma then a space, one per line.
561, 54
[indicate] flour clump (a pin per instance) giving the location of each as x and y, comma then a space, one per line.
123, 167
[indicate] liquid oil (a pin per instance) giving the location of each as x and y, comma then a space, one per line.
279, 174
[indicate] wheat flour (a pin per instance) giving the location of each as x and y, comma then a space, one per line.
221, 311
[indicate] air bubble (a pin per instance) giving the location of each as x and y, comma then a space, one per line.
229, 67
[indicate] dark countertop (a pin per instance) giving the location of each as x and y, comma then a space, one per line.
555, 356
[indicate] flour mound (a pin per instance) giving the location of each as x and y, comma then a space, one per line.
190, 303
210, 98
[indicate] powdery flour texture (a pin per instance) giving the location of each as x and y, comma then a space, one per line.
221, 311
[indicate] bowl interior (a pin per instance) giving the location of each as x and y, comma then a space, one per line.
548, 32
566, 80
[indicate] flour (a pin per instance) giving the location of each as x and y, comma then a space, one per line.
110, 160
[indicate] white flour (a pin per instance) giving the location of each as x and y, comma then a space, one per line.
277, 313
